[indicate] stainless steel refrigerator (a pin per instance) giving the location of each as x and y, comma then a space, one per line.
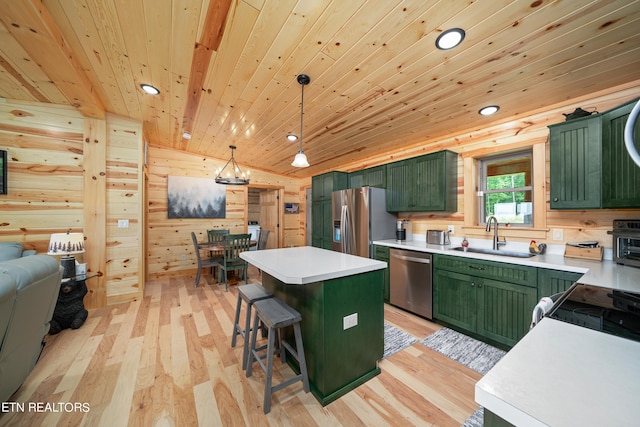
359, 217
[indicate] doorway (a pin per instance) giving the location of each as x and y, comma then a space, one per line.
263, 207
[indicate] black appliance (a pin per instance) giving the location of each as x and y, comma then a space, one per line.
612, 311
626, 242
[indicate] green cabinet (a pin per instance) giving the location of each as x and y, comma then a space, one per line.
551, 282
423, 183
371, 177
321, 209
381, 253
589, 164
491, 299
620, 175
575, 163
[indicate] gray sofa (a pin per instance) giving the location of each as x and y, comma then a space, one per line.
29, 287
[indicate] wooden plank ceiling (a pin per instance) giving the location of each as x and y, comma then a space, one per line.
227, 69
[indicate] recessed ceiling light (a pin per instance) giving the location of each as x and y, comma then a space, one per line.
186, 135
488, 110
292, 137
151, 90
450, 38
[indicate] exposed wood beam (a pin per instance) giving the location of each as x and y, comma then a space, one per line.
209, 42
33, 27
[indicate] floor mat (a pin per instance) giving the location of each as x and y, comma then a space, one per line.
470, 352
396, 340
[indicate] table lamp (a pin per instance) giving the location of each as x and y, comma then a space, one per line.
67, 244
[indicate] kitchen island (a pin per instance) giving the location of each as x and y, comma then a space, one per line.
340, 298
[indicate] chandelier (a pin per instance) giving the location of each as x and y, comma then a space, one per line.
238, 177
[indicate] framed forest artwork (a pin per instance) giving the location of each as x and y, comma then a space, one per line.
195, 198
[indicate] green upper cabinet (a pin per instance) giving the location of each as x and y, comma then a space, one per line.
620, 175
371, 177
399, 182
589, 164
575, 163
323, 185
423, 183
321, 188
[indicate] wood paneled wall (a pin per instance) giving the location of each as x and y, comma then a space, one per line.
68, 172
170, 249
527, 131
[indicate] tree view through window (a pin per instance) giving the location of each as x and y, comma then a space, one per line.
507, 191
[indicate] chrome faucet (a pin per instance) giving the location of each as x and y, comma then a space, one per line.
496, 241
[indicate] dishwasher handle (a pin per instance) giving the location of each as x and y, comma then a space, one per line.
413, 259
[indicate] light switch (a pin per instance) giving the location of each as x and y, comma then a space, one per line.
557, 234
123, 223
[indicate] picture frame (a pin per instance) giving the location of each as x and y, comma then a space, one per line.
292, 208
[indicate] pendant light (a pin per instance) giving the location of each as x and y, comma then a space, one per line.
238, 177
300, 161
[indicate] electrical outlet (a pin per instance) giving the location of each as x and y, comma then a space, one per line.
350, 321
183, 257
557, 234
123, 223
451, 229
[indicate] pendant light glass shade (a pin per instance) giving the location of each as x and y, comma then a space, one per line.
300, 161
238, 177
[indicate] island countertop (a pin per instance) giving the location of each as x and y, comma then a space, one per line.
306, 264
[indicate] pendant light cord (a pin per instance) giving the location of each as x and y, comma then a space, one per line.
301, 114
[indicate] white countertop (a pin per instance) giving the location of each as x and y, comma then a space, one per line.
597, 273
302, 265
565, 375
561, 374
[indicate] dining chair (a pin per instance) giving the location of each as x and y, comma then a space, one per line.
202, 262
262, 239
234, 244
215, 237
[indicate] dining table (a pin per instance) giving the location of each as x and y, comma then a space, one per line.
217, 246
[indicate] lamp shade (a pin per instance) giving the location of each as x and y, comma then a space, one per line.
66, 244
300, 161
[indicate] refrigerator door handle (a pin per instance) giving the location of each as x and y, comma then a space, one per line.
344, 229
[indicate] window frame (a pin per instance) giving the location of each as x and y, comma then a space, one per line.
483, 164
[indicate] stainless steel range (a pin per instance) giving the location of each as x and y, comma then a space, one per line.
612, 311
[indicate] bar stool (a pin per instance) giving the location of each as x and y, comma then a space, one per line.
275, 315
250, 294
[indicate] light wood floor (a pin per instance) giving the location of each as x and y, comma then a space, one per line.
167, 361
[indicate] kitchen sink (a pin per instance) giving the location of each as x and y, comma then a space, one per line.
512, 254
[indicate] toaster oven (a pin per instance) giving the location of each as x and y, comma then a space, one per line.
626, 242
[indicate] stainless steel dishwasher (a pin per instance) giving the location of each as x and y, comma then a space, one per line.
410, 285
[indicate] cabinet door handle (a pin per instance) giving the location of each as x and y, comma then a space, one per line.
473, 267
472, 284
555, 199
479, 285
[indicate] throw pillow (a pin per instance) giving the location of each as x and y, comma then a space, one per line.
10, 250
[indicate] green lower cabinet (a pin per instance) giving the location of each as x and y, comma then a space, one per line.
322, 227
494, 309
504, 310
455, 299
381, 253
551, 282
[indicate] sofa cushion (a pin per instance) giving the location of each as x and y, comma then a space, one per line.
10, 250
29, 252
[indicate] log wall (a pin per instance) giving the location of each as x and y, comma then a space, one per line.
71, 173
170, 249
